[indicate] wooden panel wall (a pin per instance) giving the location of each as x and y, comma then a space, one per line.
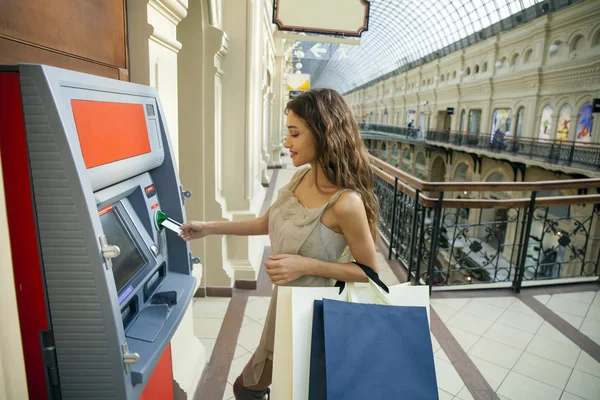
88, 36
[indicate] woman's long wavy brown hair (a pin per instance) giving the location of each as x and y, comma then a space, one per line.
341, 153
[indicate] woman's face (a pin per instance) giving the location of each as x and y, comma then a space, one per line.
299, 141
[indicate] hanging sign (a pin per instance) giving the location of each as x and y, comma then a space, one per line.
298, 81
331, 17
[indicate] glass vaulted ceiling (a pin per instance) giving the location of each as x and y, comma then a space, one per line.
404, 32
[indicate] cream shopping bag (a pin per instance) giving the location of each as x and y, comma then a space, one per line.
293, 327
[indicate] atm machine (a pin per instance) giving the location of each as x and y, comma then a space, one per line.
89, 176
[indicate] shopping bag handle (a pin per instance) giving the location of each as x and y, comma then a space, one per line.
372, 275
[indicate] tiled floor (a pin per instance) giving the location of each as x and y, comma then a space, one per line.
520, 355
582, 310
254, 316
209, 313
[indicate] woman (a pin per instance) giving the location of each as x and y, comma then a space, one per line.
325, 216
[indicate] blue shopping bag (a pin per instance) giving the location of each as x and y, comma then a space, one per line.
317, 389
375, 352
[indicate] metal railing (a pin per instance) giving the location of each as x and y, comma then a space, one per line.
567, 153
448, 242
409, 133
557, 152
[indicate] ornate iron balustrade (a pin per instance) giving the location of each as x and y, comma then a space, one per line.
574, 154
461, 242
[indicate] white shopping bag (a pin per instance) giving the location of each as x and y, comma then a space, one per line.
293, 327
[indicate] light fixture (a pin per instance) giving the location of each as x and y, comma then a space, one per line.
298, 72
498, 64
469, 278
299, 65
465, 193
553, 48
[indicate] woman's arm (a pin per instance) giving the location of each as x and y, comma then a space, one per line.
198, 229
255, 226
351, 217
247, 227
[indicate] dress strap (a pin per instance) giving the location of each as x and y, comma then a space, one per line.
294, 183
335, 197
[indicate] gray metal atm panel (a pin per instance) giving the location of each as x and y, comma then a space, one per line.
83, 304
82, 330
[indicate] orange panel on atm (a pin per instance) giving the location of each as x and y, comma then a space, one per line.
110, 132
160, 386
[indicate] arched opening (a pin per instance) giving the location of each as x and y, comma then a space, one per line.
527, 57
514, 60
484, 67
442, 78
577, 43
564, 122
463, 121
468, 71
520, 121
460, 175
546, 124
476, 69
474, 121
454, 75
406, 161
585, 124
438, 170
596, 40
501, 126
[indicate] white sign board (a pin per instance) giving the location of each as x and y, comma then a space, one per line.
333, 17
298, 81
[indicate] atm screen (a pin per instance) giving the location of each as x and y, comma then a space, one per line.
131, 260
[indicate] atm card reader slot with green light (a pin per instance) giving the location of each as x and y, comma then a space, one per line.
163, 221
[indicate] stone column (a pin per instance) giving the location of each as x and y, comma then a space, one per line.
153, 51
153, 48
200, 116
277, 131
242, 160
266, 133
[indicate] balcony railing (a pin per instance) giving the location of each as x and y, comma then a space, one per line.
573, 154
408, 133
448, 240
557, 152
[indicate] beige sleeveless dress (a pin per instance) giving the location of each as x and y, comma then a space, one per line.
295, 229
